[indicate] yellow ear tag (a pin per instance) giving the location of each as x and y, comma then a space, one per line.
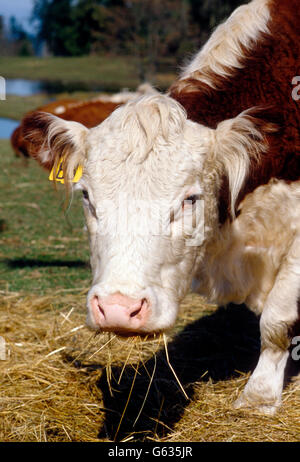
59, 176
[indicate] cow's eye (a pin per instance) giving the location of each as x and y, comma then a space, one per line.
85, 194
190, 200
87, 204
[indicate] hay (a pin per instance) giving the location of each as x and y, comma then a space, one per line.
60, 382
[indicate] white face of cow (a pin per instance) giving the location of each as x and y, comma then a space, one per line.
150, 181
143, 202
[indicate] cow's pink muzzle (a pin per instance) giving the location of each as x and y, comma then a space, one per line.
120, 313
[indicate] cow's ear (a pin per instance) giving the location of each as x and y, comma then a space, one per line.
50, 139
237, 145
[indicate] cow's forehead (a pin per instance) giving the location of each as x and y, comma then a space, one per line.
145, 125
160, 174
142, 146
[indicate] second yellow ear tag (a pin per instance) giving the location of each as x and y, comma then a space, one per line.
59, 175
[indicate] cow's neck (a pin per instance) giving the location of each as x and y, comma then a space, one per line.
220, 280
236, 265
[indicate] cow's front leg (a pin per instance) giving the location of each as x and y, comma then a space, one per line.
264, 388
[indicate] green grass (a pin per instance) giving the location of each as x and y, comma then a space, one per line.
86, 69
14, 107
40, 249
109, 72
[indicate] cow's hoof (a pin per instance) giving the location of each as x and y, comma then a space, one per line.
266, 409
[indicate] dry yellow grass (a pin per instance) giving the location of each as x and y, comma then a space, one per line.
60, 382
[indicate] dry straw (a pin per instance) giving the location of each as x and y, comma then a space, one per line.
61, 382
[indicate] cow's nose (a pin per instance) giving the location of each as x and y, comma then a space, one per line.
120, 313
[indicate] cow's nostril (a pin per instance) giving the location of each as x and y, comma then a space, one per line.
139, 309
135, 313
101, 309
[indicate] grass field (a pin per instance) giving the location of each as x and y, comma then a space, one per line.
83, 69
41, 248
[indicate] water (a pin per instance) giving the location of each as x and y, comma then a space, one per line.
7, 126
19, 87
22, 87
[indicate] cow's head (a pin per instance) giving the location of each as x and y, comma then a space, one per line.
150, 193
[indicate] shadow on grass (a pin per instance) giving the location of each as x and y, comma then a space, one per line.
19, 263
215, 347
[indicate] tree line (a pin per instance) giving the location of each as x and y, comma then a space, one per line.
73, 28
148, 29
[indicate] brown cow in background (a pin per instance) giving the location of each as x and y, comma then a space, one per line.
90, 112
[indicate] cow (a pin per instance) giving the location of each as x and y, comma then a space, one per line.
197, 187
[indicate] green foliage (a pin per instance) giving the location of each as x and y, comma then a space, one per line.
147, 28
160, 29
16, 30
55, 25
207, 14
67, 27
86, 19
17, 42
